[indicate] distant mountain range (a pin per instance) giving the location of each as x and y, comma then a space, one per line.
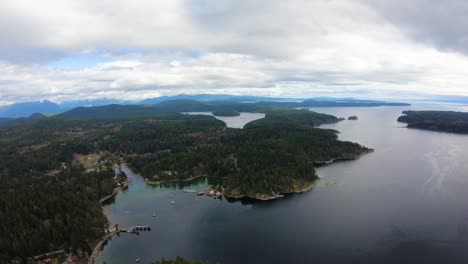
453, 99
25, 109
216, 97
47, 107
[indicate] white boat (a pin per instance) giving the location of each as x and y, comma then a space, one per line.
137, 260
172, 202
154, 214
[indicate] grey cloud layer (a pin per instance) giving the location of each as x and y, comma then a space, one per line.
294, 48
443, 24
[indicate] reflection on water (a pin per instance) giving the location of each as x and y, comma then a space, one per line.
404, 203
233, 121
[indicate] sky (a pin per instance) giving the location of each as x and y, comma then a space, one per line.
84, 49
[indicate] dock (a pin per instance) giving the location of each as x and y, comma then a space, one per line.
135, 229
211, 193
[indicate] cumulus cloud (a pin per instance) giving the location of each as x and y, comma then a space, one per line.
283, 48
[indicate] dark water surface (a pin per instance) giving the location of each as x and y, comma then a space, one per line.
405, 203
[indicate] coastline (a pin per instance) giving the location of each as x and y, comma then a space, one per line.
177, 180
262, 197
97, 245
257, 197
114, 193
331, 161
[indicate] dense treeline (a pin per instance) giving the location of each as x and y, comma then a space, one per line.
48, 201
226, 112
446, 121
42, 213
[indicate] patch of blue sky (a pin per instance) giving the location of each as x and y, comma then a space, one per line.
90, 58
76, 62
196, 53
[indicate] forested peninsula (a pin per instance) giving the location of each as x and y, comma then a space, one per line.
444, 121
54, 170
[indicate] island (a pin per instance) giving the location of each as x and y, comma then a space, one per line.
55, 171
353, 117
444, 121
226, 113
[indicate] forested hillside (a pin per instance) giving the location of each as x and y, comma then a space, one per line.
446, 121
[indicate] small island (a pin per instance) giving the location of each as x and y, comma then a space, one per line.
353, 117
226, 113
444, 121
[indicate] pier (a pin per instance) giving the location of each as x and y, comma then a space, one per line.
135, 229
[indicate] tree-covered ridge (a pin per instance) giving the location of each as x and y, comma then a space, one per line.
49, 202
446, 121
174, 106
293, 118
226, 112
335, 103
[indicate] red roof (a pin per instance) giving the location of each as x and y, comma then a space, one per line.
47, 260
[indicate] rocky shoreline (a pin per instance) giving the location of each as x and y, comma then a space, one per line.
327, 162
177, 180
263, 197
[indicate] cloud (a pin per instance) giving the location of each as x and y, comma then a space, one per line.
65, 49
442, 24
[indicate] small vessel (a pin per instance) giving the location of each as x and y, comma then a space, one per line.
137, 260
172, 202
154, 214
